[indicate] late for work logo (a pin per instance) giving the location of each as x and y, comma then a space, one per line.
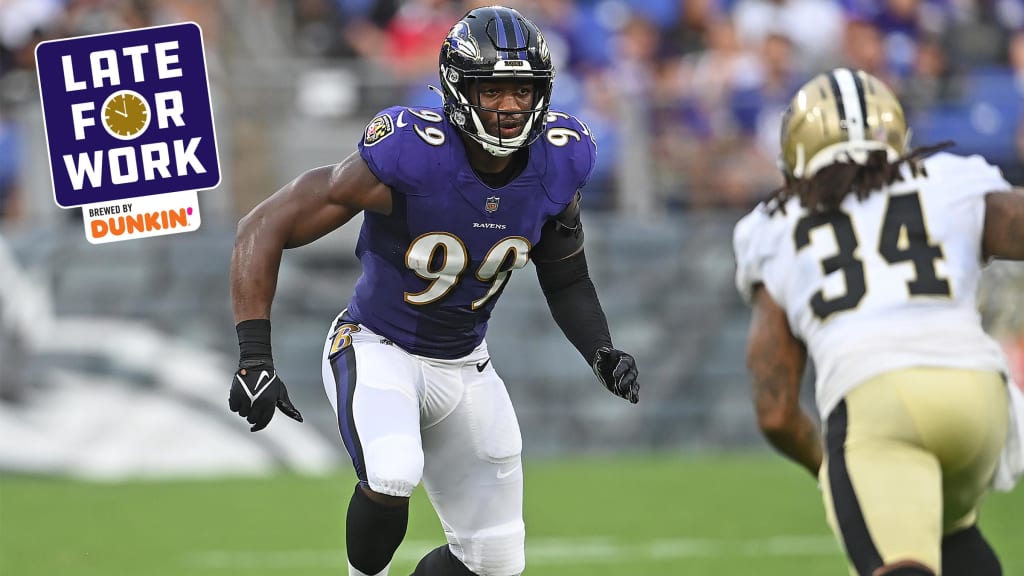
127, 115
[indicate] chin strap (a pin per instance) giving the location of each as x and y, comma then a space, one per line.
499, 151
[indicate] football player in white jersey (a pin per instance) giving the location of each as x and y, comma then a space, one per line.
868, 259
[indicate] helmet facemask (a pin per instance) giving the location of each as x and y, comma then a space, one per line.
462, 104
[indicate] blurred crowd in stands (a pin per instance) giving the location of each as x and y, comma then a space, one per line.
700, 84
684, 96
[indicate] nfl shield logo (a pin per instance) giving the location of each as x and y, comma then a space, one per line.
492, 204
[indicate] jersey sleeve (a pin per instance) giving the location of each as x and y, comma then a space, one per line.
381, 147
752, 248
572, 156
587, 152
959, 185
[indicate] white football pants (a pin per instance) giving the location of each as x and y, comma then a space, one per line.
450, 423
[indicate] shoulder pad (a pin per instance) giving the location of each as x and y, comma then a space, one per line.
571, 153
752, 245
965, 175
399, 143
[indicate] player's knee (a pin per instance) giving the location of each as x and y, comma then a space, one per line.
394, 465
384, 499
908, 569
496, 551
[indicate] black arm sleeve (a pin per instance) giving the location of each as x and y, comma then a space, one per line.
574, 305
561, 236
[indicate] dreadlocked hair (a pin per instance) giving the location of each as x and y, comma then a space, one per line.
825, 191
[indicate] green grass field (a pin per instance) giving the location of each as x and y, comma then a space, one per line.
706, 515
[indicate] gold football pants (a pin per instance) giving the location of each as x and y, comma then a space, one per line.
909, 456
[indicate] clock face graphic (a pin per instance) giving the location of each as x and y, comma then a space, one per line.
125, 114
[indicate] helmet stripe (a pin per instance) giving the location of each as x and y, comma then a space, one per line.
520, 38
838, 97
861, 99
499, 25
852, 103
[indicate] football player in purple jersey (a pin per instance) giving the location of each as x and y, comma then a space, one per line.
455, 199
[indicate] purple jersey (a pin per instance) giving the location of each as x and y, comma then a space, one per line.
434, 268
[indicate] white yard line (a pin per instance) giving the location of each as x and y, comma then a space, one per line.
539, 552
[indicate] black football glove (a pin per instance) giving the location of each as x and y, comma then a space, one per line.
617, 371
256, 391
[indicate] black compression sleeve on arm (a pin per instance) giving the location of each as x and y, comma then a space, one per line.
254, 342
574, 304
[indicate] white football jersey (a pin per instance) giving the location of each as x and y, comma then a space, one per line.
885, 283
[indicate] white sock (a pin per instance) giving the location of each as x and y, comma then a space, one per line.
353, 572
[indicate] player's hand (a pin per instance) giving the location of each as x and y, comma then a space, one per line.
256, 393
617, 371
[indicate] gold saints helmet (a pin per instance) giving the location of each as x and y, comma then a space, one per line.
840, 116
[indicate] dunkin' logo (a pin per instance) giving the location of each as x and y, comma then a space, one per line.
148, 222
142, 217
